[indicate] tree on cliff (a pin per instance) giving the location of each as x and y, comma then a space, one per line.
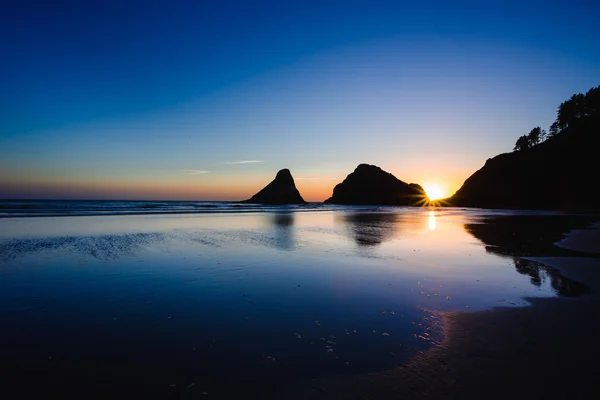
554, 130
570, 111
592, 101
577, 107
534, 136
543, 135
522, 143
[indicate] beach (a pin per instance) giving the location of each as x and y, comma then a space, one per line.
286, 302
547, 350
299, 200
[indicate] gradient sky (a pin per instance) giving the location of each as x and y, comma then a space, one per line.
208, 100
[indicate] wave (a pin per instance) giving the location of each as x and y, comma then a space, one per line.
56, 208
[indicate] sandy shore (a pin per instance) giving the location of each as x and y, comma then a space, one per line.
547, 351
587, 240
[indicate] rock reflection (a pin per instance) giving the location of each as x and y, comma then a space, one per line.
521, 236
283, 224
540, 273
283, 219
526, 235
371, 229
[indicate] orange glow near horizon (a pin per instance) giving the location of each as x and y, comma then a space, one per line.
207, 187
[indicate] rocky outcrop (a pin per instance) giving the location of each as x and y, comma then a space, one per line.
282, 190
560, 173
370, 185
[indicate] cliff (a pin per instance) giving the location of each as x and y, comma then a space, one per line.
560, 173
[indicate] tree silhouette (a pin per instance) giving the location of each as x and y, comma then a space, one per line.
570, 111
592, 101
554, 129
534, 136
522, 143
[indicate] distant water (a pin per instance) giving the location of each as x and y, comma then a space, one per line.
28, 208
178, 299
56, 208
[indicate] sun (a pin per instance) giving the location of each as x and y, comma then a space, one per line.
434, 191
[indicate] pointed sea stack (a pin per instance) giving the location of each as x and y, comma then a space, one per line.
370, 185
282, 190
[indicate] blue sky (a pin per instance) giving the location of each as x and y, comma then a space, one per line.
132, 99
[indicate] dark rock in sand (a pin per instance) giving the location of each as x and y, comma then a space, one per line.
370, 185
282, 190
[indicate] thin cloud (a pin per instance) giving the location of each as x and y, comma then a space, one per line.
195, 171
243, 162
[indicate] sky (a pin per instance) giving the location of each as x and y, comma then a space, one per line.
207, 100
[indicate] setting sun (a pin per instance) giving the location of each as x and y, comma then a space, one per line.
434, 191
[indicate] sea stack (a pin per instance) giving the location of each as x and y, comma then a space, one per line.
370, 185
282, 190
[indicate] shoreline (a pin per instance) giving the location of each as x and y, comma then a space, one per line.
543, 351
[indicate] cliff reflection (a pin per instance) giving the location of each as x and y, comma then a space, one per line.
520, 236
539, 273
283, 226
283, 219
526, 235
371, 229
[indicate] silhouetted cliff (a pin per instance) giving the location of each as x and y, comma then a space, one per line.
559, 173
282, 190
370, 185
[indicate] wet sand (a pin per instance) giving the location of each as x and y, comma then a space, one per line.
547, 351
175, 307
587, 240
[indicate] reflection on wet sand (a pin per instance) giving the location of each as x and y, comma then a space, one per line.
431, 221
515, 236
303, 294
540, 273
526, 235
371, 229
283, 225
283, 219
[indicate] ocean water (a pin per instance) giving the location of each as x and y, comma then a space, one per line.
29, 208
187, 299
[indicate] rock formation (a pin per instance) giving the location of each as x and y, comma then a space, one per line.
282, 190
370, 185
560, 173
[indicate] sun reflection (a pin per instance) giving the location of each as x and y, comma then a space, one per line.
431, 223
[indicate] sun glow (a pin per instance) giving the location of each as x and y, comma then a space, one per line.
434, 191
